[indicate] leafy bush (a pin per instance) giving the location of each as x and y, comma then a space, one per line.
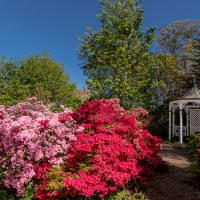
30, 135
158, 121
113, 149
194, 145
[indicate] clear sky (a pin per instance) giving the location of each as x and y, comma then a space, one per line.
33, 26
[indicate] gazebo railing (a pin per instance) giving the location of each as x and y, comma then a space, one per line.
177, 130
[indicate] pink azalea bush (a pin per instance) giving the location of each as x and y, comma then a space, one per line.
30, 135
111, 151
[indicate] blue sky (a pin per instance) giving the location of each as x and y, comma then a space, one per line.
33, 26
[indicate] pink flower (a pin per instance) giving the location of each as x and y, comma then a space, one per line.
24, 144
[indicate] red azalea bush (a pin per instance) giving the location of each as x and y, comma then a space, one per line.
112, 150
30, 134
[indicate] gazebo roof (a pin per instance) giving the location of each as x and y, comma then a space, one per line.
193, 93
192, 96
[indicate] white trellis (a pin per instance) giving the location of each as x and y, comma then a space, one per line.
190, 103
194, 120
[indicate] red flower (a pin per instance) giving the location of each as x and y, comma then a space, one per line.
63, 117
111, 151
44, 123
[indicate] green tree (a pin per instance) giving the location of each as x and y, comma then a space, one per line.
168, 75
39, 76
116, 58
177, 42
177, 39
195, 56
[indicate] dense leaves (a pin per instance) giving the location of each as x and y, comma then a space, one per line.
116, 60
194, 53
178, 55
194, 145
169, 78
37, 75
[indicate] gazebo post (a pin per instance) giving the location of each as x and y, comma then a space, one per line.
173, 121
187, 122
188, 102
170, 115
181, 125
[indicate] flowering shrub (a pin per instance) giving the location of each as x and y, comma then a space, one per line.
111, 151
30, 134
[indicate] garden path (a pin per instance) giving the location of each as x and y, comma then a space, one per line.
177, 183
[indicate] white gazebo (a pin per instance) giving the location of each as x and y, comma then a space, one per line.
190, 104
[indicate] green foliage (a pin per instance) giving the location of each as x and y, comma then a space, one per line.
39, 76
167, 75
57, 175
126, 194
5, 194
119, 195
194, 145
116, 58
10, 194
178, 46
195, 55
159, 126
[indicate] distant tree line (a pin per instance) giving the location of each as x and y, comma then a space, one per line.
40, 76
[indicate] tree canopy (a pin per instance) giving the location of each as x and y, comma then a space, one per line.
116, 58
178, 42
194, 54
39, 76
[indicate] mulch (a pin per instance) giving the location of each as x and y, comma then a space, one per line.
177, 183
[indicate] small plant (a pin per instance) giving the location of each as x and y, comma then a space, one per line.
126, 194
139, 195
179, 145
194, 145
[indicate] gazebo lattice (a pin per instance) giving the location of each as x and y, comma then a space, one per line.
190, 104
